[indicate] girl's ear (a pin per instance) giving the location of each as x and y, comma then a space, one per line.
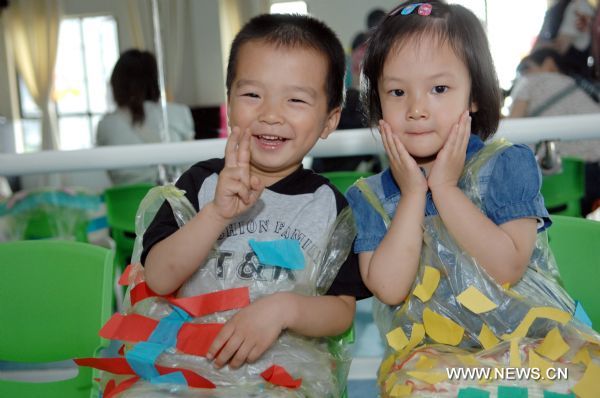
473, 107
332, 122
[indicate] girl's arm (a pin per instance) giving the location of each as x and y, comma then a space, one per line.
390, 270
173, 260
503, 251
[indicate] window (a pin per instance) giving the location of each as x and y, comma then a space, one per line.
87, 52
289, 7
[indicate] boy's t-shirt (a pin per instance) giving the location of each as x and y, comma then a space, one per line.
302, 206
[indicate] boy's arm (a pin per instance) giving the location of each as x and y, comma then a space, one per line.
254, 329
390, 270
173, 260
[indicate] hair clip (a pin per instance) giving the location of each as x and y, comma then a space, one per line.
424, 9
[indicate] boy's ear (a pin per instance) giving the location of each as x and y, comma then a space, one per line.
333, 119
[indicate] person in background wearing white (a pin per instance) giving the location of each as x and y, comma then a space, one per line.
138, 117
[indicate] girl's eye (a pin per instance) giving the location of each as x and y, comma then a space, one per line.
439, 89
397, 93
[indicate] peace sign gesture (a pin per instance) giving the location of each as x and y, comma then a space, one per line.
237, 189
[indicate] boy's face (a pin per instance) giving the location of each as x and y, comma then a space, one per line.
424, 89
278, 94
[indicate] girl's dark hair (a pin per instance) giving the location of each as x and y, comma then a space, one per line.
289, 30
134, 80
452, 24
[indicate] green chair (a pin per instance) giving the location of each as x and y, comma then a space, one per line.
42, 225
55, 295
563, 192
342, 180
122, 203
575, 243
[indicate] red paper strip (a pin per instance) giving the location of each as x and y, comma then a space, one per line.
109, 387
124, 279
196, 338
193, 379
121, 350
210, 303
118, 366
278, 376
131, 328
124, 385
141, 291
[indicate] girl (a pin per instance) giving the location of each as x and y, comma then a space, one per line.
452, 222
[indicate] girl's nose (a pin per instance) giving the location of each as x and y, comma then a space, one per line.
417, 110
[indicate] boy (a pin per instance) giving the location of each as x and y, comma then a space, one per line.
284, 91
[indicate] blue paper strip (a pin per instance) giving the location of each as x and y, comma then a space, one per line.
171, 378
581, 315
285, 253
142, 358
166, 331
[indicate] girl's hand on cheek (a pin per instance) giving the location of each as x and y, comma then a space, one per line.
450, 160
404, 168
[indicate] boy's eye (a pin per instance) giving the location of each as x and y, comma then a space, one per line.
439, 89
298, 100
397, 93
251, 95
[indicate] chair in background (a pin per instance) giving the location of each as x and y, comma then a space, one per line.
55, 297
342, 180
563, 192
42, 225
575, 243
122, 203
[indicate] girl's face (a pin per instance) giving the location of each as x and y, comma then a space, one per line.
424, 88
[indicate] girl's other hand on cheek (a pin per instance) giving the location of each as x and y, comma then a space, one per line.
404, 168
450, 160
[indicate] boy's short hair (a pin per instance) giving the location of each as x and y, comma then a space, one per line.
291, 30
451, 24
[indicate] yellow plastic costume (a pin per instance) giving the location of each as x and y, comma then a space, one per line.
457, 317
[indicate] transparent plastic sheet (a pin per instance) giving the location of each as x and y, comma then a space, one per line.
323, 364
539, 287
60, 214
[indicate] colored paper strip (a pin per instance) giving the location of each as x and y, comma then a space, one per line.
553, 346
442, 329
210, 303
285, 253
195, 339
278, 376
131, 328
475, 301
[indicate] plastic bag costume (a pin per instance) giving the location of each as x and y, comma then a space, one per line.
166, 338
457, 316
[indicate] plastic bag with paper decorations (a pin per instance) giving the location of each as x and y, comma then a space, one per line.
457, 317
304, 367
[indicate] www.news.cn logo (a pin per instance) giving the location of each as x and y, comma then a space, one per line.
507, 374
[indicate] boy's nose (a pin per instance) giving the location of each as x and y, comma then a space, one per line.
270, 114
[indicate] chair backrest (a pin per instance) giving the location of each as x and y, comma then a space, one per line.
122, 203
575, 243
563, 192
55, 297
344, 179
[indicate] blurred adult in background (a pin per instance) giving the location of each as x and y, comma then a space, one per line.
544, 90
138, 118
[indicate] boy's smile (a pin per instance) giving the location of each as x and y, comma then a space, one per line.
424, 89
278, 94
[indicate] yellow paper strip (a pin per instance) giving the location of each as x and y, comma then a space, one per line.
551, 313
442, 329
390, 381
385, 367
416, 335
506, 286
475, 301
431, 279
428, 377
397, 339
487, 338
553, 346
515, 354
582, 356
468, 360
588, 386
401, 390
425, 363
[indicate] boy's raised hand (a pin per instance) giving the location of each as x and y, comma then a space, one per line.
450, 160
404, 168
237, 189
249, 333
